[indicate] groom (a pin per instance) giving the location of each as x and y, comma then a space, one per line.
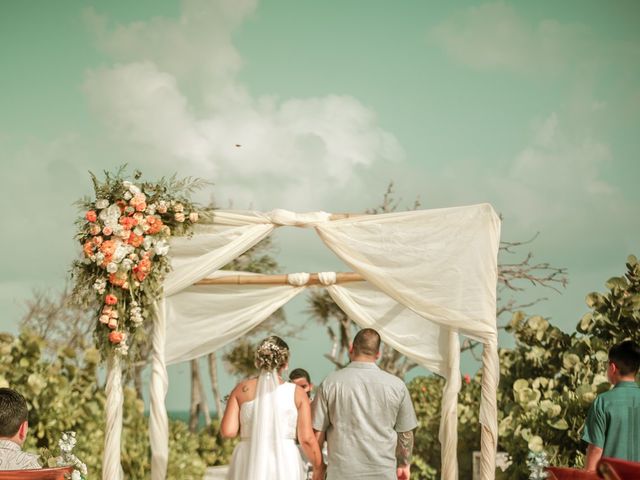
367, 417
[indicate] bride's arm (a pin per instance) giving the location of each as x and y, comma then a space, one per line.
306, 436
230, 424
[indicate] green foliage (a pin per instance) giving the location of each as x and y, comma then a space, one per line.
548, 381
214, 449
63, 395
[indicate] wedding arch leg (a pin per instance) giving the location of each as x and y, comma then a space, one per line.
111, 468
158, 421
448, 434
489, 410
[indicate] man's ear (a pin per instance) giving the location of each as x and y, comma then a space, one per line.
378, 355
22, 431
351, 348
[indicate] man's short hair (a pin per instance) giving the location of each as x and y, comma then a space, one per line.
366, 342
626, 356
299, 373
13, 412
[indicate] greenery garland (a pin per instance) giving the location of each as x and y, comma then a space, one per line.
124, 233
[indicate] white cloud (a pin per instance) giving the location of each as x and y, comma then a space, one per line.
493, 35
178, 97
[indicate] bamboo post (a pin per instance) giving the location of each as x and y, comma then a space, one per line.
281, 279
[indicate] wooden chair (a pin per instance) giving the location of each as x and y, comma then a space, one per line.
41, 474
563, 473
615, 469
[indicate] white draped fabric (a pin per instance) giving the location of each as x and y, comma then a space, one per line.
430, 275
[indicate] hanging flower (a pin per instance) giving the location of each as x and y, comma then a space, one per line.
110, 299
116, 337
124, 236
91, 216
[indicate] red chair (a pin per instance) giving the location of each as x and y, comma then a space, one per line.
615, 469
563, 473
40, 474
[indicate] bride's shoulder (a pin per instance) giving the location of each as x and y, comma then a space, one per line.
246, 388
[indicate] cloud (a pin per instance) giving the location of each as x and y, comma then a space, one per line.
495, 36
177, 96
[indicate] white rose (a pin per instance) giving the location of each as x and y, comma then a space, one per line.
76, 475
112, 267
151, 208
102, 203
193, 216
127, 264
135, 190
146, 243
110, 216
126, 184
178, 207
99, 257
127, 196
161, 248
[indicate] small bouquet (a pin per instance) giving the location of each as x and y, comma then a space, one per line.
537, 462
66, 457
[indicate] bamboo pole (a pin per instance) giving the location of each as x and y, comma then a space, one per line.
341, 277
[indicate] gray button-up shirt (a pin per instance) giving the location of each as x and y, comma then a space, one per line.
362, 408
13, 458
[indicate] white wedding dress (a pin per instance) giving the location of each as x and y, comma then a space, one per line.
267, 449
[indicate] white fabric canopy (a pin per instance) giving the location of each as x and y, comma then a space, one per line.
430, 274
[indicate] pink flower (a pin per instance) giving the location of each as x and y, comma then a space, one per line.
113, 323
104, 319
91, 216
116, 337
467, 378
94, 229
110, 299
193, 217
179, 217
107, 231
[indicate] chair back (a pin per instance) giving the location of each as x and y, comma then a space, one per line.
563, 473
615, 469
39, 474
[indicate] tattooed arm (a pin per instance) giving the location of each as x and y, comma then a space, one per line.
404, 448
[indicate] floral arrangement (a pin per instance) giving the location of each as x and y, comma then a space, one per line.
66, 458
124, 234
537, 463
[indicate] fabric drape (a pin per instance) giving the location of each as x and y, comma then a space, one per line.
431, 275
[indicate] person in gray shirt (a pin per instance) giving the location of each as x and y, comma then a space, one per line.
366, 416
13, 432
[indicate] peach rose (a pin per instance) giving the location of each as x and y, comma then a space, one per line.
116, 337
94, 229
104, 319
128, 223
135, 240
121, 205
108, 247
113, 323
162, 207
118, 279
179, 217
155, 224
91, 216
193, 217
107, 231
110, 299
142, 269
98, 240
87, 248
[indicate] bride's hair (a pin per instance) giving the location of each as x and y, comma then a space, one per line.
272, 354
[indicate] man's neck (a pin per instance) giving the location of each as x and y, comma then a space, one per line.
627, 378
13, 440
363, 358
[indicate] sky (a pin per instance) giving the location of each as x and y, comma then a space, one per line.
533, 107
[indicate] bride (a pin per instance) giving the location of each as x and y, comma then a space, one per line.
270, 414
